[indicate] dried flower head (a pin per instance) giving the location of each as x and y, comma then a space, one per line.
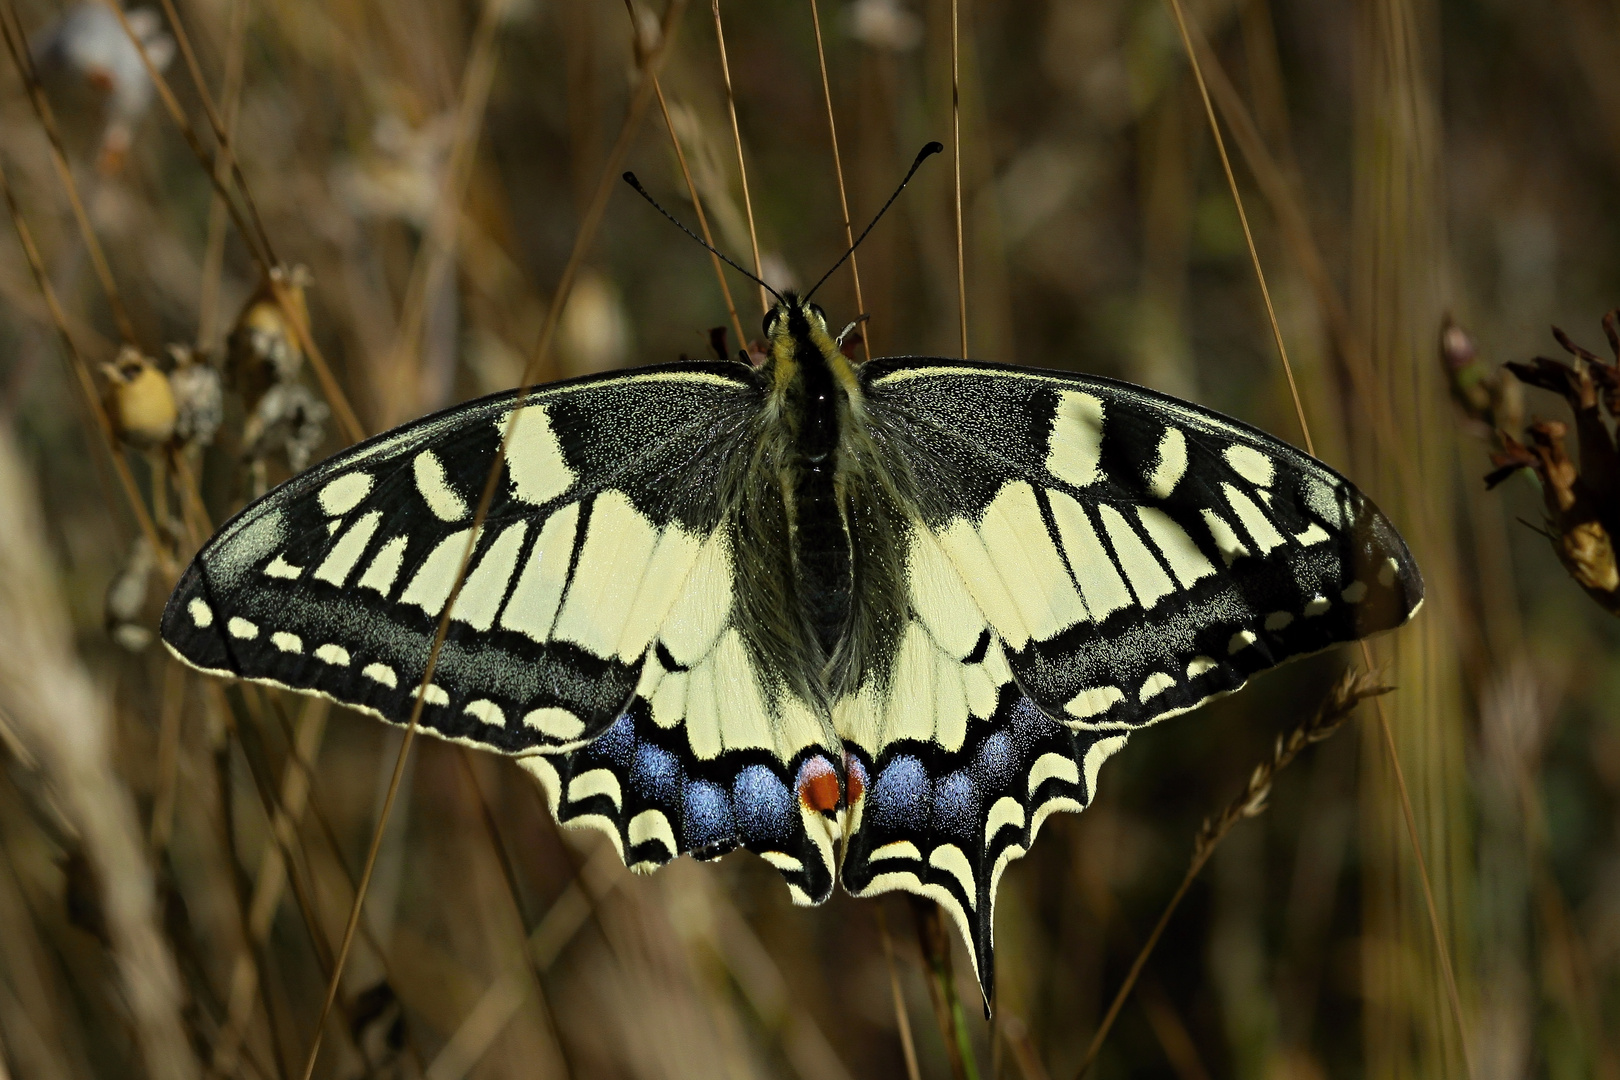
140, 403
290, 419
1582, 499
87, 53
1492, 400
199, 397
262, 349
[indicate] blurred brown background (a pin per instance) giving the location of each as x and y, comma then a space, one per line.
430, 163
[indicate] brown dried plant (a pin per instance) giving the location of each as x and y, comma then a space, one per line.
1582, 496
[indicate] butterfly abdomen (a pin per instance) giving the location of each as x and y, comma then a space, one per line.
815, 409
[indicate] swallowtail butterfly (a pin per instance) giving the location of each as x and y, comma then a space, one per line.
873, 622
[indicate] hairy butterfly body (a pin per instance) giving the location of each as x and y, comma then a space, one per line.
872, 622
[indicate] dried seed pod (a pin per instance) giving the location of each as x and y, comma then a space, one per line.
198, 396
97, 74
288, 418
262, 349
125, 601
140, 403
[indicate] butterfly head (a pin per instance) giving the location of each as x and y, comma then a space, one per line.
798, 343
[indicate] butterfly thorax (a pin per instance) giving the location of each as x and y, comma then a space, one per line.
814, 398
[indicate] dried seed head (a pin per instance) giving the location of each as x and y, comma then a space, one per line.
139, 400
198, 397
289, 419
262, 349
125, 601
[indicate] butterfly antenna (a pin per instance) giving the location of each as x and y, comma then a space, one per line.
922, 155
630, 178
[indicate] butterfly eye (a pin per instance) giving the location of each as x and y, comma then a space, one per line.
770, 321
822, 315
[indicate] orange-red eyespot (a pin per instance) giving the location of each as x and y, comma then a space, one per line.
854, 778
818, 785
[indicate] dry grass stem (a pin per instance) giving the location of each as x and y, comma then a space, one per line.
1243, 217
56, 711
956, 174
697, 205
17, 46
1351, 689
87, 386
742, 164
934, 940
838, 170
583, 240
902, 1020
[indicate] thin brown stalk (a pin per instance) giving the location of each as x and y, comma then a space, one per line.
257, 240
838, 168
1442, 951
87, 385
902, 1020
168, 753
503, 859
56, 709
17, 46
742, 165
582, 241
703, 219
220, 130
1243, 216
437, 250
933, 938
1351, 689
274, 870
213, 269
697, 203
956, 165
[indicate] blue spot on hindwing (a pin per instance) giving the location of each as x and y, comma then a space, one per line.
764, 807
655, 775
956, 806
706, 813
899, 800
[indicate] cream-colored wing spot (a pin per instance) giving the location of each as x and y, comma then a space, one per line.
1171, 465
343, 494
431, 483
1250, 464
430, 587
1259, 527
339, 562
385, 566
534, 457
532, 607
966, 549
1099, 579
1015, 537
940, 596
1147, 577
619, 542
1074, 449
481, 594
1178, 549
